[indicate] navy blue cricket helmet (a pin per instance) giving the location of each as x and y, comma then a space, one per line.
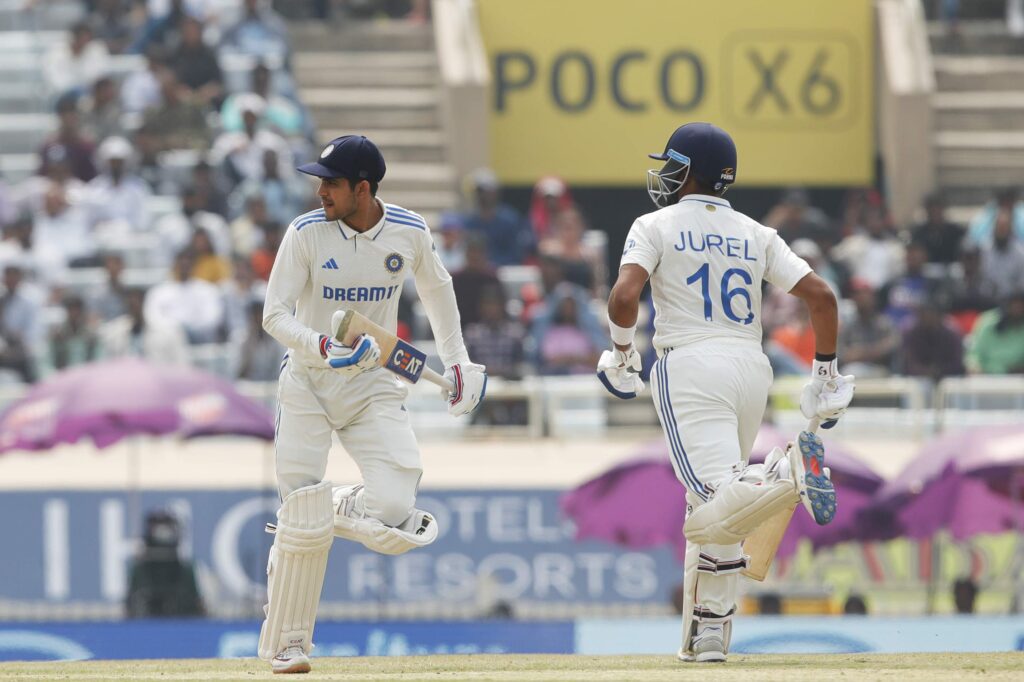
703, 149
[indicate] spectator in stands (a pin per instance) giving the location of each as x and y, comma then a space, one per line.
72, 66
162, 30
62, 235
16, 245
564, 346
279, 113
471, 281
869, 340
1002, 258
873, 254
111, 23
132, 335
193, 305
794, 217
140, 89
21, 326
239, 291
68, 145
178, 121
259, 33
8, 207
195, 65
996, 345
247, 229
970, 293
149, 165
261, 354
940, 237
778, 308
550, 197
983, 225
207, 264
263, 257
101, 110
284, 194
555, 287
901, 297
117, 194
496, 337
583, 266
111, 303
509, 238
451, 244
208, 189
796, 338
74, 341
931, 349
241, 155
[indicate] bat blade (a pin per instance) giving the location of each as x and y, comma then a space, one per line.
763, 543
396, 355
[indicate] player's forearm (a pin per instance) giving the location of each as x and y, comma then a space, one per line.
288, 331
623, 308
824, 313
443, 314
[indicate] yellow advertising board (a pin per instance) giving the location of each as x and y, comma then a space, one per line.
585, 89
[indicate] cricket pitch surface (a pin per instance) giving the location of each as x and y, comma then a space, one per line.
514, 668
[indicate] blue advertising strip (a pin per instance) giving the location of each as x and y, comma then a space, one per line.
238, 639
813, 635
78, 546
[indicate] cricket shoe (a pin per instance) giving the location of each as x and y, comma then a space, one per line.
709, 644
813, 478
291, 660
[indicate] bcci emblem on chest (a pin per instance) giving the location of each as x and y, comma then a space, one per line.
394, 263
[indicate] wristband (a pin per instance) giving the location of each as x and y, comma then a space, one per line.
825, 370
622, 336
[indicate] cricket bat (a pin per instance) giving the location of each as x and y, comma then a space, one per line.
396, 355
763, 543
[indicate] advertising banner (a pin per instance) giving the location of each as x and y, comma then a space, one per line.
584, 89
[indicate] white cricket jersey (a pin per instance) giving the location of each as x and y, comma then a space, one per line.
323, 266
707, 262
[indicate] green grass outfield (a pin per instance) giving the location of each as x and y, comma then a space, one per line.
554, 668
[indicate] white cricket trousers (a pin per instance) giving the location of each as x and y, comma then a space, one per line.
369, 416
710, 397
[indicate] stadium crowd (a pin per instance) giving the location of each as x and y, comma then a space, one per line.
152, 223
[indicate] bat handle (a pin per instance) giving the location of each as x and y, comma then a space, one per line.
435, 378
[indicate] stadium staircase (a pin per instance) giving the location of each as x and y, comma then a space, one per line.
381, 79
978, 105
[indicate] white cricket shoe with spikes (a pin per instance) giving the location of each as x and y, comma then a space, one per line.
291, 660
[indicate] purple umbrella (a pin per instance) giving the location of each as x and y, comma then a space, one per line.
967, 482
642, 504
107, 401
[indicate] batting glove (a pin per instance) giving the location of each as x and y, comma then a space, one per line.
362, 356
828, 393
470, 382
619, 371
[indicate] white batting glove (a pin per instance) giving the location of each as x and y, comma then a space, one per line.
362, 356
470, 382
828, 393
619, 371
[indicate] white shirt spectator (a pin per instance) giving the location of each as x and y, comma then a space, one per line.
65, 70
195, 305
62, 231
140, 90
244, 154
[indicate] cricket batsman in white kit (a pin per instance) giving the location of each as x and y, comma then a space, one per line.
353, 253
706, 263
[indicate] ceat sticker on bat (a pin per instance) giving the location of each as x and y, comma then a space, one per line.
407, 362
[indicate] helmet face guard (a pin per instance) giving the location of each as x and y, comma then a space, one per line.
664, 183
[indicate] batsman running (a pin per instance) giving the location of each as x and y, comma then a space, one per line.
352, 254
706, 263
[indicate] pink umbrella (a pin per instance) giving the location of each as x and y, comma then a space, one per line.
107, 401
642, 504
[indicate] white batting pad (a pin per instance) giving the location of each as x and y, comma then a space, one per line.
295, 571
350, 523
736, 509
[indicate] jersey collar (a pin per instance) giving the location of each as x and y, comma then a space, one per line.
707, 199
348, 233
